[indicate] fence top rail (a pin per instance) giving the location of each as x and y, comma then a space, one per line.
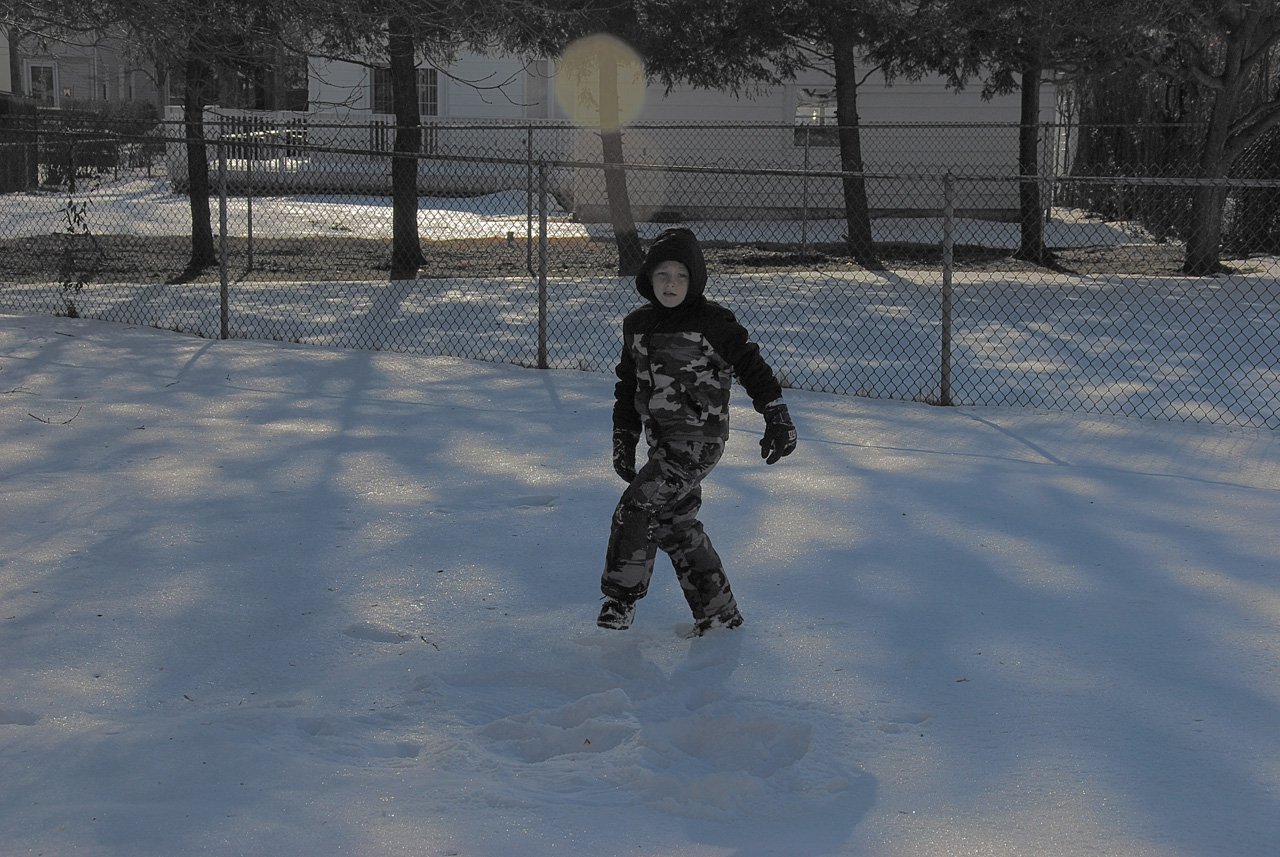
323, 120
296, 148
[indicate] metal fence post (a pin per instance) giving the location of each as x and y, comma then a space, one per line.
804, 199
71, 166
248, 213
528, 226
222, 239
542, 265
948, 263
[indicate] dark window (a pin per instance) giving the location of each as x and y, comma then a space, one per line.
428, 92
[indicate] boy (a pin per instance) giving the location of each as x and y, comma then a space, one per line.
680, 352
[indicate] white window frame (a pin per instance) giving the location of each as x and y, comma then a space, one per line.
815, 116
28, 78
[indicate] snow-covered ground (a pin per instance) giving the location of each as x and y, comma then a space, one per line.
135, 205
268, 599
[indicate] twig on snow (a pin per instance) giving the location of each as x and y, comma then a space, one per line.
50, 422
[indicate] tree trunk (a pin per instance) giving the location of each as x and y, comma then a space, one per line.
630, 253
406, 247
203, 251
857, 210
1031, 247
1204, 229
1204, 232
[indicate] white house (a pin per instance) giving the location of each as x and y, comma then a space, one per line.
81, 67
500, 107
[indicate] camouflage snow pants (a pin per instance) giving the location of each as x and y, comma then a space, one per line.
660, 510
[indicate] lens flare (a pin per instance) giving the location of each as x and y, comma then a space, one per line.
600, 83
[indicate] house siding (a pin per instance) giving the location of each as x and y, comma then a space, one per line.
6, 82
89, 68
755, 130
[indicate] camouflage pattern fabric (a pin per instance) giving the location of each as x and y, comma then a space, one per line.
682, 385
676, 368
660, 510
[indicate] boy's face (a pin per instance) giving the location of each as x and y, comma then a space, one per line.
670, 283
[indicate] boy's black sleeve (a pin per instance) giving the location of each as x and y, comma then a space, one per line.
624, 392
731, 340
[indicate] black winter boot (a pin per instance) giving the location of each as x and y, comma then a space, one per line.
727, 620
617, 615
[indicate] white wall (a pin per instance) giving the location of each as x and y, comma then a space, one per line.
487, 88
6, 84
337, 87
481, 87
762, 136
475, 87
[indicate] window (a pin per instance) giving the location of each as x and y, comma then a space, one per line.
296, 85
42, 82
428, 92
815, 121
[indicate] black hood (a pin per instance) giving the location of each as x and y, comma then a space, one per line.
680, 244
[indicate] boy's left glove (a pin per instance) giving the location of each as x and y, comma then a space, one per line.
779, 434
624, 453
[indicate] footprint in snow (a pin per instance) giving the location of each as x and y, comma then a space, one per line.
594, 724
375, 633
17, 717
530, 501
534, 501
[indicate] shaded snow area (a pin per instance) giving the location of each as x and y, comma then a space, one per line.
267, 599
148, 207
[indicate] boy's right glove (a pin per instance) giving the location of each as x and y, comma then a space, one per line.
779, 434
624, 453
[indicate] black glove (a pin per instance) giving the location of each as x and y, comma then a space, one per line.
624, 453
779, 434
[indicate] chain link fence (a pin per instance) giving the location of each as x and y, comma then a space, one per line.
515, 225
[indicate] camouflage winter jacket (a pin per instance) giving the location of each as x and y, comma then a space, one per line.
676, 369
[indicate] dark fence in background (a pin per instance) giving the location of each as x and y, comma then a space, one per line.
521, 259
